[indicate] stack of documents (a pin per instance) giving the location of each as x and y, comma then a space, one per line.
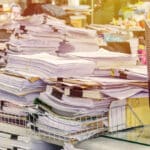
45, 65
31, 39
20, 86
68, 100
72, 104
135, 73
16, 95
50, 35
78, 40
105, 59
73, 109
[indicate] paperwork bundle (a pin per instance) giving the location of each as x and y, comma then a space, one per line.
133, 73
45, 65
31, 39
20, 86
50, 35
78, 40
17, 94
69, 110
73, 107
105, 59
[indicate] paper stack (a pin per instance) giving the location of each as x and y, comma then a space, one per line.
50, 35
70, 112
106, 62
78, 40
17, 95
45, 65
137, 73
72, 104
71, 107
31, 39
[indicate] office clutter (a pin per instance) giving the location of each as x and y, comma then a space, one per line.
60, 84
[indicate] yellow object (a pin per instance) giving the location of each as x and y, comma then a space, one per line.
78, 21
112, 72
39, 1
6, 7
141, 46
141, 108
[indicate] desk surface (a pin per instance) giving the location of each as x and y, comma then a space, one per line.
138, 138
102, 143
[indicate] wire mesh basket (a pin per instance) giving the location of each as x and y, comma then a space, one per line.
34, 126
123, 117
86, 127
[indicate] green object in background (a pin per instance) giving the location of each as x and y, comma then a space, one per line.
105, 10
105, 13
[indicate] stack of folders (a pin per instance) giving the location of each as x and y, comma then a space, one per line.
16, 97
45, 65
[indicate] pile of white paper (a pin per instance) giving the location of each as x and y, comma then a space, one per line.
73, 109
105, 59
31, 39
45, 65
16, 95
135, 73
71, 103
51, 36
67, 102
